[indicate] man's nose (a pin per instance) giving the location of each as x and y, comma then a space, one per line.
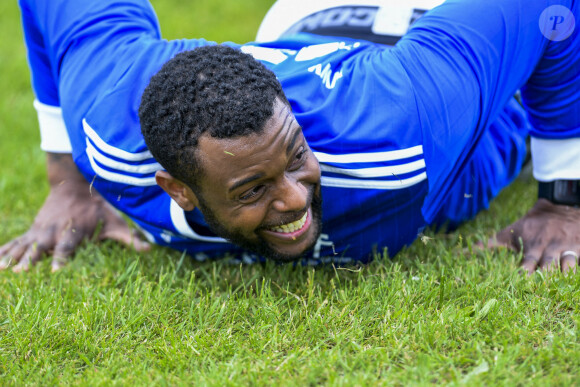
291, 195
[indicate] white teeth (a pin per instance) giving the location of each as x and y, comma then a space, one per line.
291, 227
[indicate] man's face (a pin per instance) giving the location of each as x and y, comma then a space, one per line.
262, 191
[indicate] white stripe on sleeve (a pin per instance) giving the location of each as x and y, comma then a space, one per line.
369, 157
338, 182
111, 150
123, 167
119, 178
393, 170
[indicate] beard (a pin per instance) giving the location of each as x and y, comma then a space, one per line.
261, 246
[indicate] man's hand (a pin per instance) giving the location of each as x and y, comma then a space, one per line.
70, 214
543, 235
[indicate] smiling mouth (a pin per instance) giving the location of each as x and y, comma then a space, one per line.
290, 228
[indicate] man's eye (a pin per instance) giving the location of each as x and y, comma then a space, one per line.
299, 158
251, 194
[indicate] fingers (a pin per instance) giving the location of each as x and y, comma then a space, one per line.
505, 238
531, 260
11, 252
32, 255
24, 254
34, 249
65, 248
7, 246
21, 252
117, 229
501, 239
127, 237
569, 261
24, 251
138, 243
550, 260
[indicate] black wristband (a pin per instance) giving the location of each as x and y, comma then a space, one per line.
561, 192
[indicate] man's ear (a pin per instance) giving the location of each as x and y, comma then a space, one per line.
179, 191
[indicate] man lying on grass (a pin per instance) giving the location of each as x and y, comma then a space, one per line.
241, 149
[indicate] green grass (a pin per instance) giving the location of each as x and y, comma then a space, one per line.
431, 315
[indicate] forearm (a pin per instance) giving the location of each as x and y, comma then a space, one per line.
55, 141
61, 169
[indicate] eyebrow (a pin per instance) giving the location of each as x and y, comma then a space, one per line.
293, 141
258, 176
246, 181
290, 117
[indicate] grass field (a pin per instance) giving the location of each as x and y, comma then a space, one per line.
431, 315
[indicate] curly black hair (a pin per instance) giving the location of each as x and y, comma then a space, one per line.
214, 89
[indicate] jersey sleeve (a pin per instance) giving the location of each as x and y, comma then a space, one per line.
466, 59
52, 30
53, 134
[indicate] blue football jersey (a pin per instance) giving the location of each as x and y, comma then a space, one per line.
425, 132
